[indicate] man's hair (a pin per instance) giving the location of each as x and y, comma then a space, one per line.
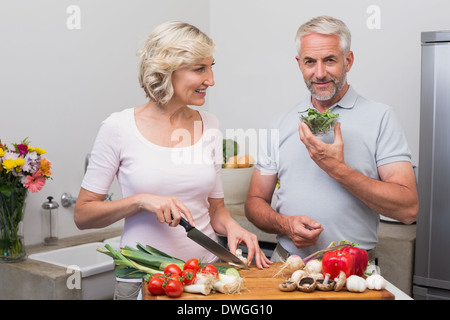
328, 26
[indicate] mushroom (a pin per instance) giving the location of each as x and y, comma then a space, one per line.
316, 276
340, 281
297, 275
307, 284
325, 284
287, 286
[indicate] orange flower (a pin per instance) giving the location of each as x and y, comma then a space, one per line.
44, 168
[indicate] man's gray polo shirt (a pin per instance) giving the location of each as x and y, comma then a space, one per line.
372, 137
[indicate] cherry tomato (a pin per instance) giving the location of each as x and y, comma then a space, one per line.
174, 288
189, 276
173, 269
155, 286
210, 269
158, 275
192, 264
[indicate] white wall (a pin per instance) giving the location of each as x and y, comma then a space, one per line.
58, 84
257, 76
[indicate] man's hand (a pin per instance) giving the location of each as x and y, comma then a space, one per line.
303, 231
328, 157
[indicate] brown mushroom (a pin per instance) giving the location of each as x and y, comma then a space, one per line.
307, 284
340, 281
325, 284
287, 286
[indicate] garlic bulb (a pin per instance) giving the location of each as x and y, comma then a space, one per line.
356, 284
376, 282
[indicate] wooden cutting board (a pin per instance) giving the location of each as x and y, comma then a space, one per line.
262, 285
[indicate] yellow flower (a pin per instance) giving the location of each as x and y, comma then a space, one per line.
19, 163
9, 164
39, 151
2, 152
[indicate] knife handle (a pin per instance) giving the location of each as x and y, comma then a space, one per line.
184, 223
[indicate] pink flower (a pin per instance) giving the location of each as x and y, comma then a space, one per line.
23, 149
35, 182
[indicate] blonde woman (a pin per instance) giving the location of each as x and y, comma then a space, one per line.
166, 156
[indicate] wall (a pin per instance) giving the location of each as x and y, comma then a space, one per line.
59, 82
257, 76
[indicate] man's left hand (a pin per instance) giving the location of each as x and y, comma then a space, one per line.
329, 157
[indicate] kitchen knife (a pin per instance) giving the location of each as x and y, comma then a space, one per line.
212, 246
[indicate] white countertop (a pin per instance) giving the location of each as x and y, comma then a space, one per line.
399, 295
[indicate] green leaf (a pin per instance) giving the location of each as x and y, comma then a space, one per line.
319, 122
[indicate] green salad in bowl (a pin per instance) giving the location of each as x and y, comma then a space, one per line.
320, 122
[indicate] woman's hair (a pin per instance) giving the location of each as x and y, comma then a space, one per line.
328, 26
170, 46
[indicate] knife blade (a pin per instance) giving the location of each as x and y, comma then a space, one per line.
211, 245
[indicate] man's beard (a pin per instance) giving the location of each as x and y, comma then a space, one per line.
338, 84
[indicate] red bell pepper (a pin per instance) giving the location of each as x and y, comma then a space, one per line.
361, 259
335, 261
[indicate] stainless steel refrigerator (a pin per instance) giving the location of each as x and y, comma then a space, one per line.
431, 279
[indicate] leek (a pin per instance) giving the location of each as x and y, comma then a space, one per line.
124, 267
150, 260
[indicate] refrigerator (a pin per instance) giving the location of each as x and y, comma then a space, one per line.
431, 280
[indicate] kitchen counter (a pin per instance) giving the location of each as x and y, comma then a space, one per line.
36, 280
394, 252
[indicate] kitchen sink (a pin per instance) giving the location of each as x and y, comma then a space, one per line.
96, 269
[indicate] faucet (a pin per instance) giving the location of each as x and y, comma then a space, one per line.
67, 199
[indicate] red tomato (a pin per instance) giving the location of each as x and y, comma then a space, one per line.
210, 269
189, 276
192, 264
174, 288
173, 269
158, 275
155, 286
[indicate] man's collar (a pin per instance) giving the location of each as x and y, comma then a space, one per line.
347, 101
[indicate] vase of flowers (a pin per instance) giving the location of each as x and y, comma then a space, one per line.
22, 169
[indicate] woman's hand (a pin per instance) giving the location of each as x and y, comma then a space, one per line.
237, 235
223, 223
91, 211
167, 209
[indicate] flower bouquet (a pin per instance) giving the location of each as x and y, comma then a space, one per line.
22, 169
